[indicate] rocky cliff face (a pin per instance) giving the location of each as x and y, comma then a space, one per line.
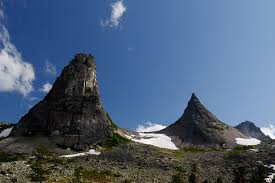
198, 126
71, 113
251, 130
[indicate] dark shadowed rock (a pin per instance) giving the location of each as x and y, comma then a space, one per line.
198, 126
251, 130
71, 113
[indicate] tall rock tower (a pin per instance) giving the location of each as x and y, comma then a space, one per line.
72, 113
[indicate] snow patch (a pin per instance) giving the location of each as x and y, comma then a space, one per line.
150, 127
90, 152
271, 176
247, 142
5, 132
158, 140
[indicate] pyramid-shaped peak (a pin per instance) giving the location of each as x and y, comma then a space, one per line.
198, 126
194, 98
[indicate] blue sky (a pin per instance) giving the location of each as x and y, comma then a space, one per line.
150, 56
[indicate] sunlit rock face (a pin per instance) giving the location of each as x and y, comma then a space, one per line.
72, 113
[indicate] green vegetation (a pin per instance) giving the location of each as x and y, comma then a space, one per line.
126, 181
239, 174
242, 174
193, 177
259, 175
41, 157
219, 180
114, 141
38, 174
236, 152
179, 154
196, 149
181, 169
113, 125
82, 175
6, 157
177, 178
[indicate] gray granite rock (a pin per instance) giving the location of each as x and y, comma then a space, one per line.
198, 126
251, 130
71, 113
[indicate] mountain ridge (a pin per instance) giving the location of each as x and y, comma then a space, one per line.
251, 130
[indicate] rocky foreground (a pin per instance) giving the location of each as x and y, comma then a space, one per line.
136, 163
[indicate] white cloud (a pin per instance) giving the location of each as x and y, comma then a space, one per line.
32, 98
2, 15
46, 88
118, 10
15, 73
150, 127
270, 131
50, 68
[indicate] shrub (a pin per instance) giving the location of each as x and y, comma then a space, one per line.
195, 149
114, 141
239, 174
193, 178
40, 154
6, 157
82, 175
180, 169
235, 153
113, 125
177, 178
259, 175
219, 180
38, 174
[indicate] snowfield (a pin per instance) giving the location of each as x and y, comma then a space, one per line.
91, 151
271, 176
5, 133
158, 140
247, 142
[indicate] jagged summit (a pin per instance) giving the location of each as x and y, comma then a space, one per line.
194, 97
198, 126
251, 130
71, 113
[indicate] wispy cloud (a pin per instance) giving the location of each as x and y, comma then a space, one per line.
15, 73
270, 131
2, 15
118, 10
31, 99
50, 68
149, 127
46, 87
